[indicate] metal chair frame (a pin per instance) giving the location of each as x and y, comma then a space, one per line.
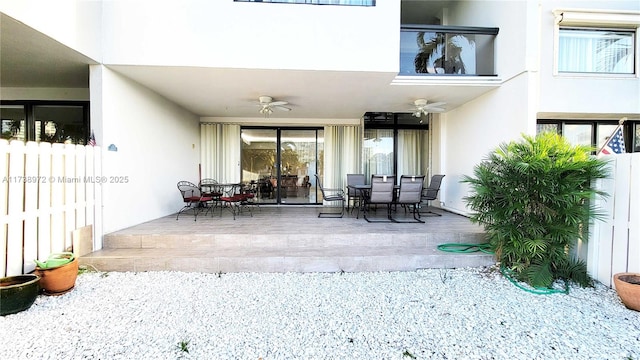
329, 194
193, 199
430, 193
410, 195
382, 193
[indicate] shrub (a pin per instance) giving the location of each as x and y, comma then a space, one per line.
533, 199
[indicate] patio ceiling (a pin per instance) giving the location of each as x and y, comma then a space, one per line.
30, 59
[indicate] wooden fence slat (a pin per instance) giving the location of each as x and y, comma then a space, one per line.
31, 207
601, 235
97, 205
634, 216
4, 192
44, 202
15, 209
620, 215
70, 181
81, 186
57, 198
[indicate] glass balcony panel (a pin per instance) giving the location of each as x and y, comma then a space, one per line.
446, 53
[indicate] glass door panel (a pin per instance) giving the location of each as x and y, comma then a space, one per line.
259, 157
298, 163
281, 164
378, 152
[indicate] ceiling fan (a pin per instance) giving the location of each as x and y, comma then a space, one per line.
267, 105
422, 107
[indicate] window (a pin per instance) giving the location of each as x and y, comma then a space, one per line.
593, 133
12, 124
588, 50
50, 121
319, 2
395, 143
596, 41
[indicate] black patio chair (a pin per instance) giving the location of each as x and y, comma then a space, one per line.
410, 195
381, 193
329, 194
429, 194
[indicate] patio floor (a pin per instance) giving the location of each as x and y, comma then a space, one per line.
287, 239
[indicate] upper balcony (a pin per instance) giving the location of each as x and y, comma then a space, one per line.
433, 50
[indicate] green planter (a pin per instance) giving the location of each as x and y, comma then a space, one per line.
17, 293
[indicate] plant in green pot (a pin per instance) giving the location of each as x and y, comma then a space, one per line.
58, 273
533, 198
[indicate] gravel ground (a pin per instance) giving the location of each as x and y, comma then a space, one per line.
428, 314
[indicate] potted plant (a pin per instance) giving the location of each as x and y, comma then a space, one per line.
17, 293
533, 198
628, 288
58, 274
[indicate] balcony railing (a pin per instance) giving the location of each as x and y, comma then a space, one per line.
447, 50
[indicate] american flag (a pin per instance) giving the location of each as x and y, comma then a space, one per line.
92, 140
615, 143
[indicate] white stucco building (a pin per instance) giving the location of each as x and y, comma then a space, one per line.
174, 86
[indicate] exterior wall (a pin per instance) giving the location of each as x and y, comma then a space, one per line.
604, 94
513, 48
157, 146
470, 132
227, 34
74, 23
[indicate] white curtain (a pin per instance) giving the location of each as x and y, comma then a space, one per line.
413, 152
220, 152
595, 51
342, 154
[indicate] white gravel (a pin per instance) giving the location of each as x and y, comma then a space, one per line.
427, 314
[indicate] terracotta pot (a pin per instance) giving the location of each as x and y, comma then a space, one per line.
17, 293
58, 280
628, 288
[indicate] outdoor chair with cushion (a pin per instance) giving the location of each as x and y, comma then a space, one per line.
410, 194
430, 193
331, 195
381, 193
193, 199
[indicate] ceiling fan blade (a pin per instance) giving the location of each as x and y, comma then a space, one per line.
278, 103
434, 109
436, 104
282, 108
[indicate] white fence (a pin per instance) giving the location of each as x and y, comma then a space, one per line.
614, 244
47, 191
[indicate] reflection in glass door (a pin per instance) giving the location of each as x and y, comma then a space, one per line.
281, 163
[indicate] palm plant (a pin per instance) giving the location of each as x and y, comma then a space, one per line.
533, 198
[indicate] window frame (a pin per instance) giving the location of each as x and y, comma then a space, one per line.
584, 30
629, 129
597, 20
30, 122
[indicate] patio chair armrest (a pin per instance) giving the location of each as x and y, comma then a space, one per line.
339, 191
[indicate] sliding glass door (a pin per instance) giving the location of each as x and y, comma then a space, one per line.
281, 163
